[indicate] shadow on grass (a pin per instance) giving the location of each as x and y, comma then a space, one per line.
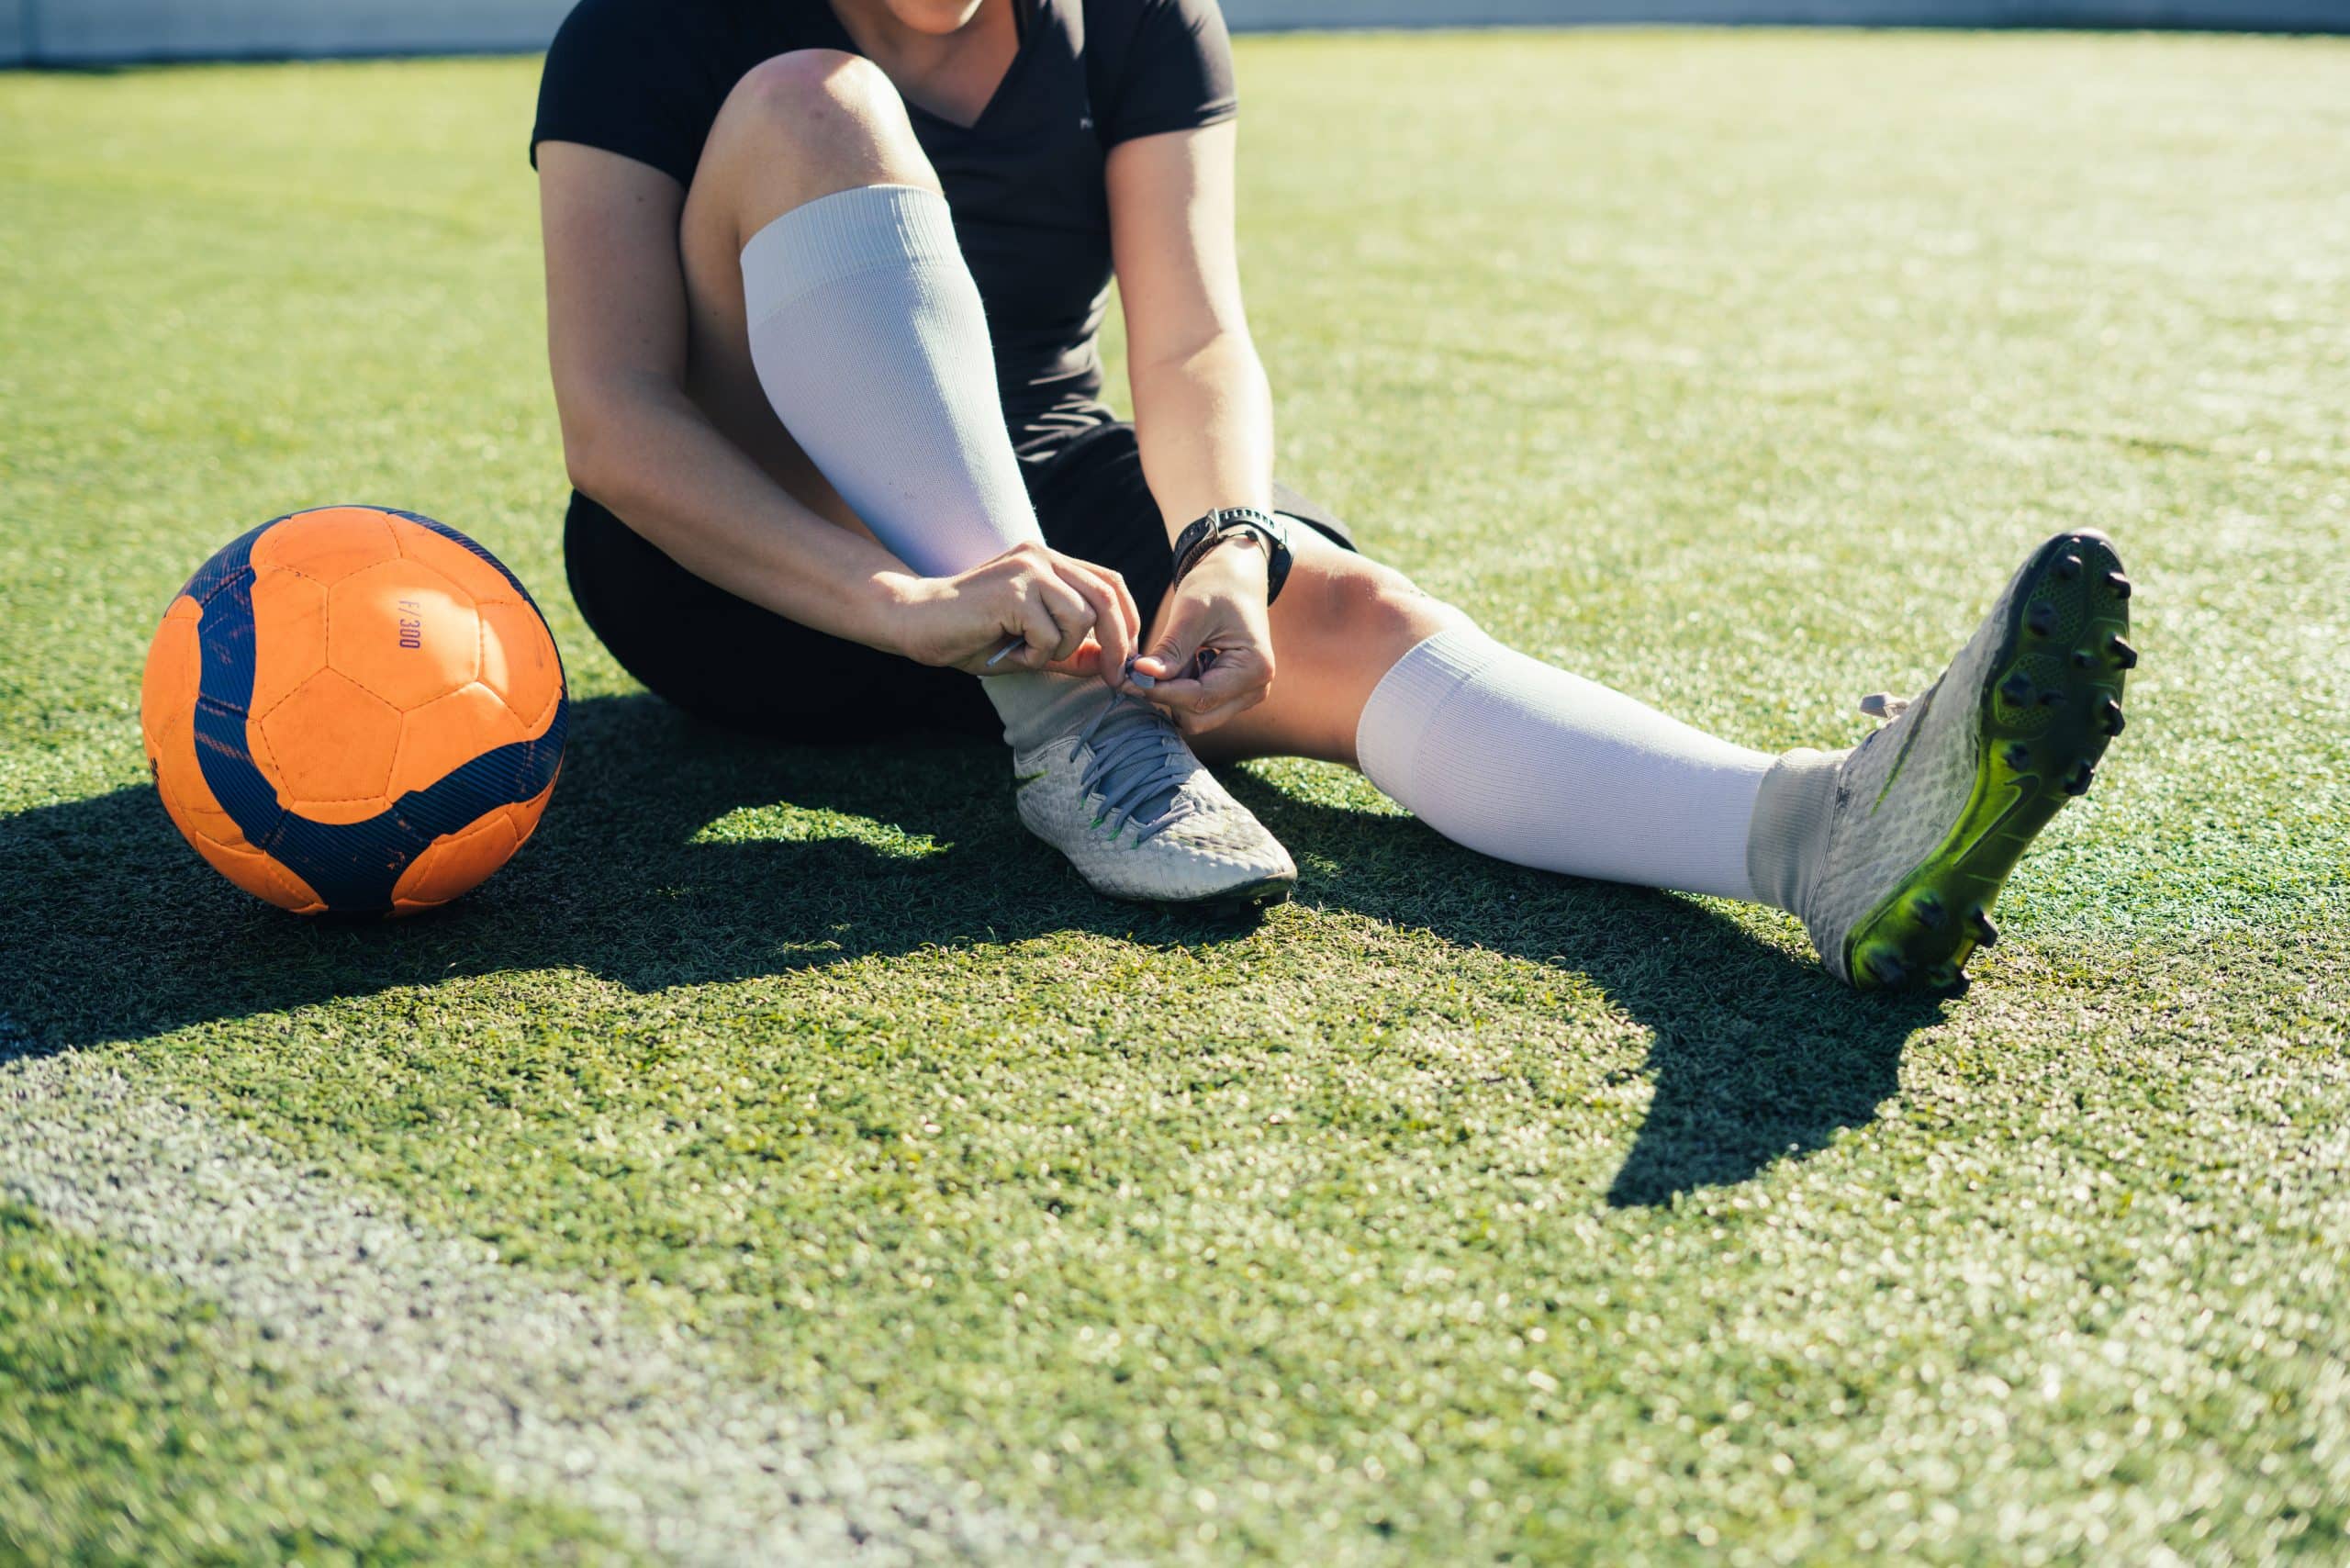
1755, 1056
121, 933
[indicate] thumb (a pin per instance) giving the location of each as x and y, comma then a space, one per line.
1176, 645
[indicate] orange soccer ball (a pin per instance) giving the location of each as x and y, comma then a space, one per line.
355, 710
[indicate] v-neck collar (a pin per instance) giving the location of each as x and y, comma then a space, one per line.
1028, 17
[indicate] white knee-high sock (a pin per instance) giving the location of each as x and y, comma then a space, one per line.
872, 344
1528, 764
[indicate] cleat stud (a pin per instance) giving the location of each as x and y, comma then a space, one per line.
2083, 658
2110, 717
1928, 911
2118, 583
2068, 567
1942, 976
1986, 934
1885, 969
2017, 756
2050, 697
2041, 620
2077, 781
2016, 689
2123, 654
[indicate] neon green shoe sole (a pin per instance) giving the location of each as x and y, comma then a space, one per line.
2049, 703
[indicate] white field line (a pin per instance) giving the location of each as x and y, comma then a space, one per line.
552, 1393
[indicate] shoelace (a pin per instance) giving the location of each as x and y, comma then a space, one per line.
1138, 763
1884, 705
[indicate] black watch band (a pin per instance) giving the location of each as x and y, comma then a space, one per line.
1204, 535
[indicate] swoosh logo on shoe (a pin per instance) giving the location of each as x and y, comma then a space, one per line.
1022, 780
1917, 717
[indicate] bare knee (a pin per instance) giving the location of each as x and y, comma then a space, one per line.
811, 98
836, 121
1367, 612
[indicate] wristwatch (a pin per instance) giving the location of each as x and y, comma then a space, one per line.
1206, 533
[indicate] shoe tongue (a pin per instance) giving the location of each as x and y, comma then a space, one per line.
1118, 734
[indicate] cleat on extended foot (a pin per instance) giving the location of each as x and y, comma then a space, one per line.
2118, 583
1932, 811
2124, 655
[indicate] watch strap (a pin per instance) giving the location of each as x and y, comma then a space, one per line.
1204, 533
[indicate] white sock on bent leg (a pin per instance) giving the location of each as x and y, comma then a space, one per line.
1531, 765
872, 346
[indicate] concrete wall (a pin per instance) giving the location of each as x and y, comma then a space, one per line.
83, 32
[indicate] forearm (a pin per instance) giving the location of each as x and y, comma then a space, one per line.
1204, 422
652, 457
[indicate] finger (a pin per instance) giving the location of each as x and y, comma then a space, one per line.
1178, 642
1070, 610
1211, 687
1035, 624
1118, 624
1088, 659
1108, 625
1233, 674
1213, 717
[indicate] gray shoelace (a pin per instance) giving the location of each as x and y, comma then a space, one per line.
1886, 705
1138, 763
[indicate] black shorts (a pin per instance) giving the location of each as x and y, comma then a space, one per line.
728, 660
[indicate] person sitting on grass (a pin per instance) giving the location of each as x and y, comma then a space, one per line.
824, 284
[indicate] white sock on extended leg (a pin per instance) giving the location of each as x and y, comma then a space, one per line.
1528, 764
872, 344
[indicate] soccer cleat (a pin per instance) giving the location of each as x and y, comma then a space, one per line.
1931, 812
1141, 818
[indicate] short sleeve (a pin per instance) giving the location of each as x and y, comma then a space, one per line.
623, 76
1177, 74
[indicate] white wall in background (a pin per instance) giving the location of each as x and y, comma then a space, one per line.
69, 32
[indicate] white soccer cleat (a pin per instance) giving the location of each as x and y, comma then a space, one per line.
1903, 843
1141, 818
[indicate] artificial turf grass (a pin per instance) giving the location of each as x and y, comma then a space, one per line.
1186, 1144
1745, 405
139, 1425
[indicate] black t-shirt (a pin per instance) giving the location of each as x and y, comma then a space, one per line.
644, 79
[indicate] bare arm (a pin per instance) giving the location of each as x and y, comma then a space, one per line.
617, 341
1203, 413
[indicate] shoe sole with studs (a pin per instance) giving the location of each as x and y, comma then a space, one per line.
2050, 704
